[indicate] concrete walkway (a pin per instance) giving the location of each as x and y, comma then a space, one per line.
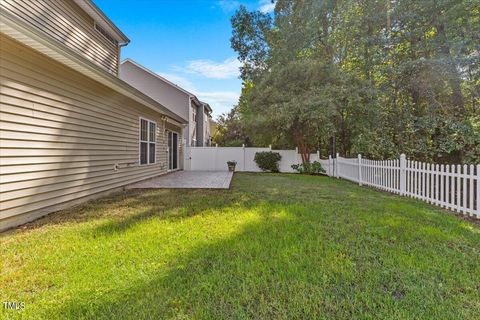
187, 180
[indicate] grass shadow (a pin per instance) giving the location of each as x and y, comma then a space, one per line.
289, 264
275, 246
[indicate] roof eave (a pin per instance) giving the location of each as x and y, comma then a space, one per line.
157, 76
101, 18
192, 96
207, 106
197, 102
21, 31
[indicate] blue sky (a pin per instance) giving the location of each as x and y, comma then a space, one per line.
186, 41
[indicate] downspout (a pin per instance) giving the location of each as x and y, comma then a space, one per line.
189, 136
119, 47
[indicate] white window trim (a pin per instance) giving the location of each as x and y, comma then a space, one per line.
148, 142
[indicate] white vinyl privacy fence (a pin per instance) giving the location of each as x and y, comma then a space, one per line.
454, 187
215, 158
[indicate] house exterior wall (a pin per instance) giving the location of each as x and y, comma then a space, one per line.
67, 23
176, 99
192, 124
207, 129
200, 127
185, 135
61, 133
173, 99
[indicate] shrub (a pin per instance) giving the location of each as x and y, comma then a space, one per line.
309, 168
268, 160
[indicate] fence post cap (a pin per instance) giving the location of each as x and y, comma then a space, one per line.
402, 156
359, 156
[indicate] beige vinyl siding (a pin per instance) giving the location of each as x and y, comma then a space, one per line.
67, 23
61, 134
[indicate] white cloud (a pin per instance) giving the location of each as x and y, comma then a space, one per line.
266, 6
220, 101
229, 68
228, 5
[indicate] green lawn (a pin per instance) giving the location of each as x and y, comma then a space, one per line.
273, 247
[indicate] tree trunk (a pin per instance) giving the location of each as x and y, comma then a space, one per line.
457, 102
304, 152
300, 141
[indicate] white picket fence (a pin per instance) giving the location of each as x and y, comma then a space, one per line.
454, 187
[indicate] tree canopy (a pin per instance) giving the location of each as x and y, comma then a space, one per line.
383, 76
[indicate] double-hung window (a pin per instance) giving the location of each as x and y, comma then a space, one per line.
147, 141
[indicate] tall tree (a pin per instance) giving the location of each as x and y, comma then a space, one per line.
384, 76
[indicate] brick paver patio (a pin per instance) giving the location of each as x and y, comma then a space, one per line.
188, 180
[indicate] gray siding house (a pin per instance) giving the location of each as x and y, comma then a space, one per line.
173, 97
70, 128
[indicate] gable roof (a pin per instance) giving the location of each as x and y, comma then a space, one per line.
102, 20
159, 77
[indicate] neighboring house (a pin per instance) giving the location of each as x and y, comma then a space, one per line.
70, 128
175, 98
206, 132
